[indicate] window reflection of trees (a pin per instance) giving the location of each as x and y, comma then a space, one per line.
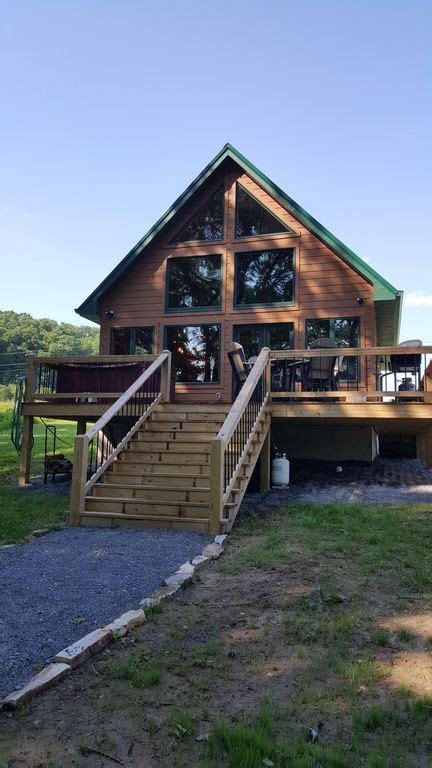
208, 222
132, 341
194, 281
345, 331
253, 219
265, 277
277, 336
195, 352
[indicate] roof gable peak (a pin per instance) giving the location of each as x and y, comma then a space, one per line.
383, 290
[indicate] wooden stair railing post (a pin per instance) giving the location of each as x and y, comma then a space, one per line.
79, 479
217, 483
166, 377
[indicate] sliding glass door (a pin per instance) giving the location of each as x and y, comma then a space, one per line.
254, 337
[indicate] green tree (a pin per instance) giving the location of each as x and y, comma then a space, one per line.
22, 335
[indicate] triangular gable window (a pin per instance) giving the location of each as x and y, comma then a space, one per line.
208, 222
253, 219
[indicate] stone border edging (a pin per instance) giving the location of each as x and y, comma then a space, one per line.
78, 652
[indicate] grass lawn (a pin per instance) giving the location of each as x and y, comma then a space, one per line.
308, 645
23, 511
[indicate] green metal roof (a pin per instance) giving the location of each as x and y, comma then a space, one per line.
383, 290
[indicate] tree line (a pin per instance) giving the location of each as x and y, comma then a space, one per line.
22, 335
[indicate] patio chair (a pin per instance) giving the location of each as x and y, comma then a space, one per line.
240, 367
321, 373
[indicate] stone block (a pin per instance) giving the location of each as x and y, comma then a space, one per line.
44, 679
201, 561
163, 593
149, 602
187, 569
212, 550
176, 580
126, 621
220, 539
85, 647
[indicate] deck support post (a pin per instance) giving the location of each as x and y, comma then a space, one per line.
81, 425
79, 479
26, 451
428, 447
265, 464
217, 454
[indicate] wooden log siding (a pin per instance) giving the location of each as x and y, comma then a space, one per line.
325, 286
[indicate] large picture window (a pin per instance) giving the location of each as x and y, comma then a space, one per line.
208, 222
345, 331
264, 277
132, 341
194, 282
195, 352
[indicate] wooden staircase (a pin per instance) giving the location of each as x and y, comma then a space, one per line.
162, 477
150, 463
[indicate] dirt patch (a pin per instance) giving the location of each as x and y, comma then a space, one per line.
296, 628
413, 671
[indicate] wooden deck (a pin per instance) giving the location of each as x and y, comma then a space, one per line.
149, 460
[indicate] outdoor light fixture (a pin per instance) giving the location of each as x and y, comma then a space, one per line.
110, 313
360, 300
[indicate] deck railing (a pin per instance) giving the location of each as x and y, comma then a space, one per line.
95, 451
376, 374
230, 446
82, 379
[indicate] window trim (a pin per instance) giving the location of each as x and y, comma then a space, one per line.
275, 304
196, 325
211, 308
132, 336
286, 231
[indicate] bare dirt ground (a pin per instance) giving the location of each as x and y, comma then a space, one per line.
307, 645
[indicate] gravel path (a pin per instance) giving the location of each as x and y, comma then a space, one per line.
59, 587
386, 481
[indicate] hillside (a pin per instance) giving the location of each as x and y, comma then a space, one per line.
21, 335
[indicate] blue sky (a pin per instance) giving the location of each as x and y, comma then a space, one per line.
109, 109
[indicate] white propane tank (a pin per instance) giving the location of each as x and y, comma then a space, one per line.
280, 471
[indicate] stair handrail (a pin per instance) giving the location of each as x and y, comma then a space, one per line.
231, 444
134, 406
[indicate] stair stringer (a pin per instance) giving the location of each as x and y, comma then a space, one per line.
236, 498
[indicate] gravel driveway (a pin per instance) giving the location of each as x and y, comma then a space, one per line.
59, 587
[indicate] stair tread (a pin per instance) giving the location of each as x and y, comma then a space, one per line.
149, 488
192, 475
191, 439
162, 449
183, 489
134, 500
129, 515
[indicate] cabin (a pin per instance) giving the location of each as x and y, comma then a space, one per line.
238, 315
